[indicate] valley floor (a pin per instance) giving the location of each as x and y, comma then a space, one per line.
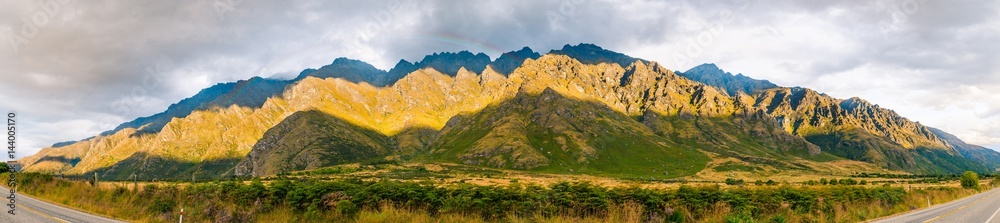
458, 193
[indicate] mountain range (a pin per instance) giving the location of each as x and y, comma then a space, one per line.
577, 110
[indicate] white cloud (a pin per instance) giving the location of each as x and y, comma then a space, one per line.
934, 62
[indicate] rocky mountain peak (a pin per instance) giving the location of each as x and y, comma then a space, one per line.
711, 74
706, 69
855, 102
449, 63
592, 54
349, 69
507, 62
581, 101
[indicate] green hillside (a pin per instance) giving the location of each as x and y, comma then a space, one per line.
312, 139
554, 134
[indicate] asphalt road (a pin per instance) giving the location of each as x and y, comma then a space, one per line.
982, 207
31, 210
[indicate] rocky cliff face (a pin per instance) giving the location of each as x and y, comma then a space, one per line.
806, 112
574, 110
494, 120
858, 130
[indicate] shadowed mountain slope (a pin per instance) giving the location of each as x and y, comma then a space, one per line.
979, 154
581, 109
732, 84
245, 93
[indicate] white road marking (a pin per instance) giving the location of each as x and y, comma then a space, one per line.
61, 219
953, 211
45, 215
994, 215
935, 218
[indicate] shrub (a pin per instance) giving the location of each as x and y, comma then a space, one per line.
779, 219
346, 207
246, 195
332, 170
731, 181
162, 205
149, 190
319, 200
279, 189
119, 191
849, 181
738, 218
970, 180
771, 183
823, 181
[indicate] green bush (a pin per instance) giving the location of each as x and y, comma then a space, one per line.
779, 219
162, 205
312, 199
149, 190
731, 181
346, 207
739, 218
248, 194
970, 180
278, 189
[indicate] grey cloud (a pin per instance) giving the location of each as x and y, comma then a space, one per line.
90, 57
508, 25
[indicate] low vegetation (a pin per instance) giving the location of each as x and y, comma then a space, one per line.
970, 180
312, 200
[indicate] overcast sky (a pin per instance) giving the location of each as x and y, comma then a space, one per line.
72, 69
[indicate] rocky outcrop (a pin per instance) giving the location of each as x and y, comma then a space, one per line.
578, 108
806, 112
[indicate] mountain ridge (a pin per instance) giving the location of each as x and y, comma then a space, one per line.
772, 128
711, 74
